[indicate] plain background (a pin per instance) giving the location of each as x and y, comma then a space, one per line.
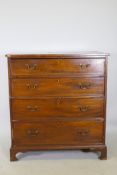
41, 26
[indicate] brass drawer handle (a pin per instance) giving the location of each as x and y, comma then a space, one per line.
32, 108
84, 86
83, 132
33, 132
84, 66
83, 108
31, 86
31, 66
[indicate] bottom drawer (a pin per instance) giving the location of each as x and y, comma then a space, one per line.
58, 132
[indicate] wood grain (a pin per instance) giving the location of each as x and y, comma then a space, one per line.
46, 67
57, 87
59, 132
33, 109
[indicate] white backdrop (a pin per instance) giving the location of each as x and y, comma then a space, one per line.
34, 26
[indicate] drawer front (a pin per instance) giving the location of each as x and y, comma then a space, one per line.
57, 107
36, 67
57, 87
58, 132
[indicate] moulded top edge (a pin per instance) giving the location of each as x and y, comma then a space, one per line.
60, 55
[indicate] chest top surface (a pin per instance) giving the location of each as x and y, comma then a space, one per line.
60, 55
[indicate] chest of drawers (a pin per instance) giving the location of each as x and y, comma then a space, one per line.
58, 101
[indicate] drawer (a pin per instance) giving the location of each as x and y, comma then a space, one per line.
57, 107
37, 67
58, 132
57, 87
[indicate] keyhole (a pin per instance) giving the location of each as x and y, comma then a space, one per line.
58, 81
58, 101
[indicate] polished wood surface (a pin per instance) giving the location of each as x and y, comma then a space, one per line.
57, 87
37, 67
58, 101
59, 107
58, 132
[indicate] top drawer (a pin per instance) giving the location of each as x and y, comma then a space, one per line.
46, 67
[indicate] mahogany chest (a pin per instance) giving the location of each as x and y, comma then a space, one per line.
58, 101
